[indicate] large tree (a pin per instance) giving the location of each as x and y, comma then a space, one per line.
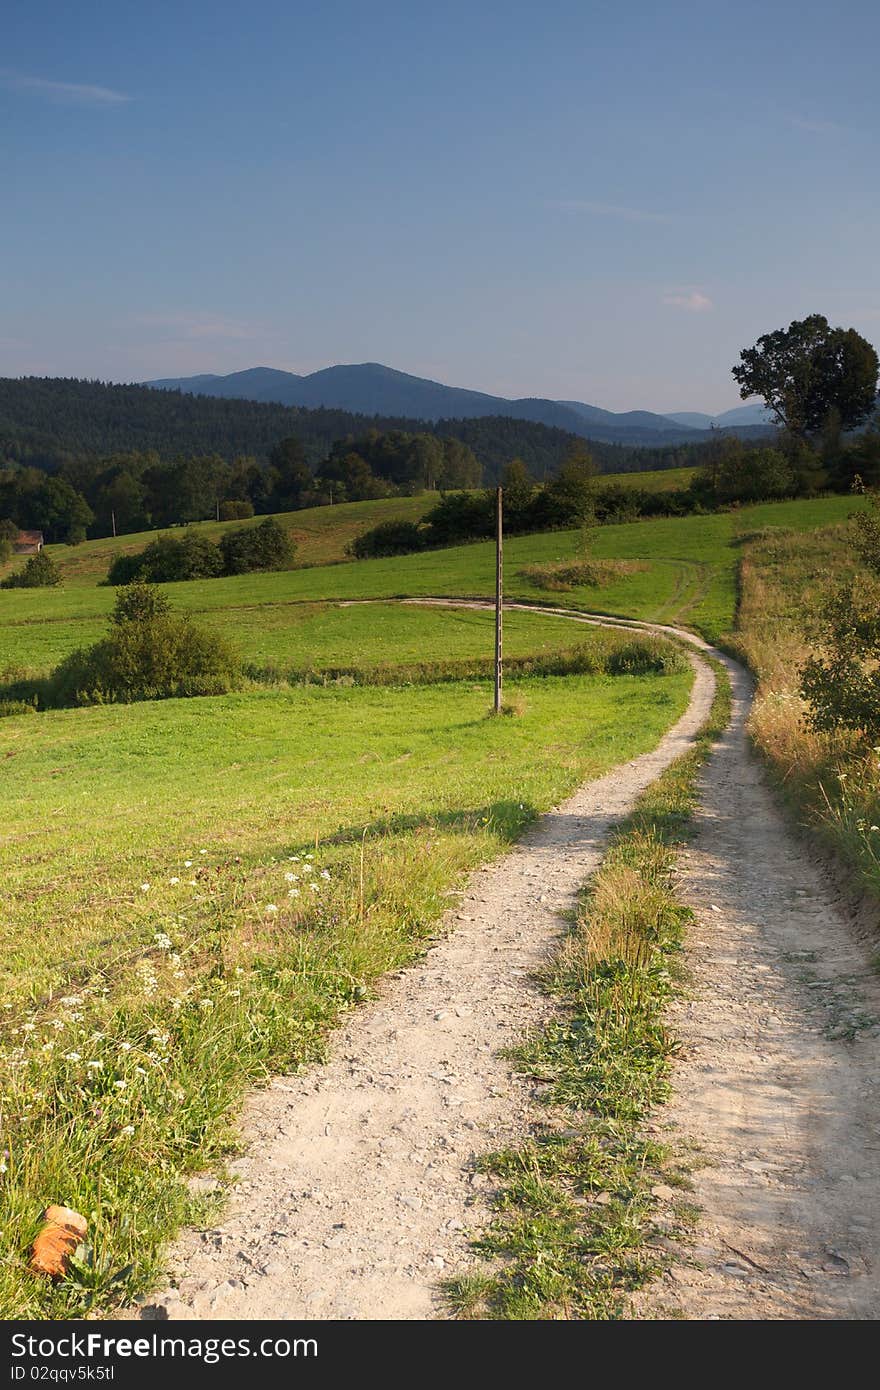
810, 373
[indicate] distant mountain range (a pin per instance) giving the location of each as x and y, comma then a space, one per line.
368, 388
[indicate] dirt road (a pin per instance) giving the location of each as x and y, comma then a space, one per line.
357, 1194
778, 1085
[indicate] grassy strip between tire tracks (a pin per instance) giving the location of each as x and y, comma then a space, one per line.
577, 1209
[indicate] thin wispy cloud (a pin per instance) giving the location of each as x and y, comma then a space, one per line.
76, 93
198, 326
815, 126
691, 300
626, 214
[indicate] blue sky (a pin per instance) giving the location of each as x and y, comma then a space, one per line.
589, 201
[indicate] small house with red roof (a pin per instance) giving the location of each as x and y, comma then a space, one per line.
28, 543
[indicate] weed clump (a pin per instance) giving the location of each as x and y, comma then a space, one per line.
646, 658
561, 576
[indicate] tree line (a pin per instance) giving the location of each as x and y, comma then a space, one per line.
732, 474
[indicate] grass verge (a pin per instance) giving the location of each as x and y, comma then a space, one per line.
577, 1206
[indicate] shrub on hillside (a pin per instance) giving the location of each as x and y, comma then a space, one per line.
125, 568
389, 538
149, 653
461, 516
40, 572
236, 511
264, 547
169, 559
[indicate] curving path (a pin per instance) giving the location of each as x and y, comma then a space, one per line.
357, 1195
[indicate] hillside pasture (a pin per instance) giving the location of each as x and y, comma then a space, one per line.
321, 534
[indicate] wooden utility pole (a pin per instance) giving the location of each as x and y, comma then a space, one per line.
499, 586
113, 521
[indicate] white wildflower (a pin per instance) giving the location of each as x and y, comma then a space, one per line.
271, 907
72, 1057
145, 887
174, 880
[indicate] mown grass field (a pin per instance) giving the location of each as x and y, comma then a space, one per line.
655, 480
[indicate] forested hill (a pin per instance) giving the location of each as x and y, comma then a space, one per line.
45, 420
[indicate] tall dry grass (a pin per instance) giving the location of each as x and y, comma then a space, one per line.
833, 783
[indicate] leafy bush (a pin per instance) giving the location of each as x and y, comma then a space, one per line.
125, 568
389, 538
150, 653
168, 560
264, 547
461, 516
40, 572
841, 684
236, 511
